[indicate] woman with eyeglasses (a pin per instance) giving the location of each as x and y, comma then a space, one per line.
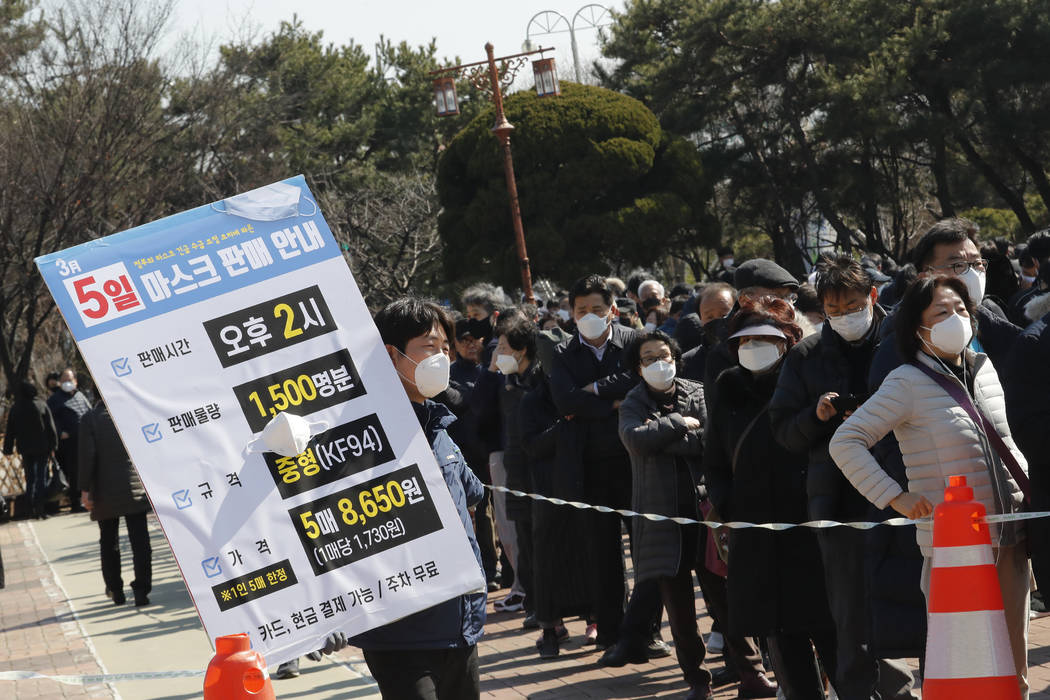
934, 404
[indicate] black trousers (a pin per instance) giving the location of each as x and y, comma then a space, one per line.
740, 652
426, 674
796, 666
680, 601
608, 483
141, 553
67, 461
641, 619
526, 554
857, 672
485, 531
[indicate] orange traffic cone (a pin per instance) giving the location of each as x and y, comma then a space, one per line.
237, 672
967, 646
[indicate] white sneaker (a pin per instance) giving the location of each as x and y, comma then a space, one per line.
716, 643
512, 603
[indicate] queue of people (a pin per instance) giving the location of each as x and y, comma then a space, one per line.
754, 396
852, 396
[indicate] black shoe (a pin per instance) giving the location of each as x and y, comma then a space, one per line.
549, 645
119, 598
493, 586
530, 622
141, 600
620, 654
657, 649
699, 693
724, 676
757, 686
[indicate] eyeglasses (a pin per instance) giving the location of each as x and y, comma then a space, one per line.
646, 361
959, 268
848, 311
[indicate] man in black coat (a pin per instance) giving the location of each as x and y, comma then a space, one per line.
588, 382
31, 429
948, 248
705, 329
68, 405
464, 373
1028, 408
1038, 252
823, 379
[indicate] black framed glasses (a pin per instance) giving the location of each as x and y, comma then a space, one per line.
960, 267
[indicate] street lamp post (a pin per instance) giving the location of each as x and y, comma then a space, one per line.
488, 77
547, 22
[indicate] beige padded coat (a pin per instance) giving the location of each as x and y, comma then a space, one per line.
937, 438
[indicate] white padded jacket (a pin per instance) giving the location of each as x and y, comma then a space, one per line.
937, 438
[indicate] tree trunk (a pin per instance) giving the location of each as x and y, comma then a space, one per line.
1012, 199
940, 175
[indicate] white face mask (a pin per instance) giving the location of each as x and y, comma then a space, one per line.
852, 327
592, 326
68, 387
650, 327
563, 315
951, 335
286, 434
508, 364
1028, 280
758, 355
728, 262
431, 375
659, 375
974, 282
270, 203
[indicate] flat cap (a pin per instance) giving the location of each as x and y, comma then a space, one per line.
760, 272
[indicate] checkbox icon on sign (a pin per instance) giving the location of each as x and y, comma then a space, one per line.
212, 567
121, 366
182, 499
151, 432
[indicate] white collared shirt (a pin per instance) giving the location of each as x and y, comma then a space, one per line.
599, 351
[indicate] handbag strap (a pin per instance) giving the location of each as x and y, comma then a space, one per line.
1000, 447
743, 435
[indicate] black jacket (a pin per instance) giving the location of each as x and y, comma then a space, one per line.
30, 426
689, 332
67, 410
818, 364
105, 469
593, 427
1026, 380
776, 579
509, 390
465, 431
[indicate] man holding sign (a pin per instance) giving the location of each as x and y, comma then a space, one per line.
300, 498
431, 655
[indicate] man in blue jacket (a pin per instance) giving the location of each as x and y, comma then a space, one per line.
432, 654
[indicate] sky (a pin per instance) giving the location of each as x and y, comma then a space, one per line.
461, 27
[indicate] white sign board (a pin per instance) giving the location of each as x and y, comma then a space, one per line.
198, 329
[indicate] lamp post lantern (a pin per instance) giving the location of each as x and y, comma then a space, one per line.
488, 77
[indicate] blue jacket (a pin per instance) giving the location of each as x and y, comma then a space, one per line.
457, 622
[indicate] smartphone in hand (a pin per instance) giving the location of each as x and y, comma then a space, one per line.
845, 404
